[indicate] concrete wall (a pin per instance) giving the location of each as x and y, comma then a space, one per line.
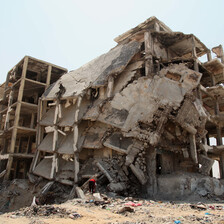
181, 185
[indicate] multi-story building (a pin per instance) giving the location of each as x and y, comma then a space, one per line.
25, 83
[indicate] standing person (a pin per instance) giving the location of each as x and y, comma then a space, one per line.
92, 185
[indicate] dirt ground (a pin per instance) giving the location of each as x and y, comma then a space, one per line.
144, 211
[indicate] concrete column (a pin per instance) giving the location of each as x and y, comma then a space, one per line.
75, 139
219, 141
209, 56
193, 149
151, 171
48, 80
148, 54
76, 167
221, 156
110, 86
221, 165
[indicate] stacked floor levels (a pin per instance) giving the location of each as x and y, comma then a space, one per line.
25, 83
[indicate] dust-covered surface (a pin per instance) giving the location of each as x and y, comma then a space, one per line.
119, 210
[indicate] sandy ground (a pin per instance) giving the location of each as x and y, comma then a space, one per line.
147, 212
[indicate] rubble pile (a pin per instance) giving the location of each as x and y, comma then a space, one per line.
15, 194
48, 211
44, 210
140, 161
20, 193
56, 193
122, 180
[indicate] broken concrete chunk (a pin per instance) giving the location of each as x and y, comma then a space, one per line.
206, 164
132, 151
104, 171
218, 51
117, 187
139, 174
125, 209
80, 193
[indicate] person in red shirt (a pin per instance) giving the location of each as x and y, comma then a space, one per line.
92, 186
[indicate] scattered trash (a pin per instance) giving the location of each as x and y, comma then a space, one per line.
97, 196
212, 207
13, 216
219, 207
133, 204
101, 202
74, 215
177, 221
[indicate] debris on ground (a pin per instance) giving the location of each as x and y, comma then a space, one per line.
46, 211
116, 210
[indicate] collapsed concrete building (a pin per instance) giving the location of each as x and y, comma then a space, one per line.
25, 83
142, 111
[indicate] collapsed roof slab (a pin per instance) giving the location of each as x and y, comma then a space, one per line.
95, 73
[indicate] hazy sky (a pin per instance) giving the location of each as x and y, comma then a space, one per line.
70, 33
